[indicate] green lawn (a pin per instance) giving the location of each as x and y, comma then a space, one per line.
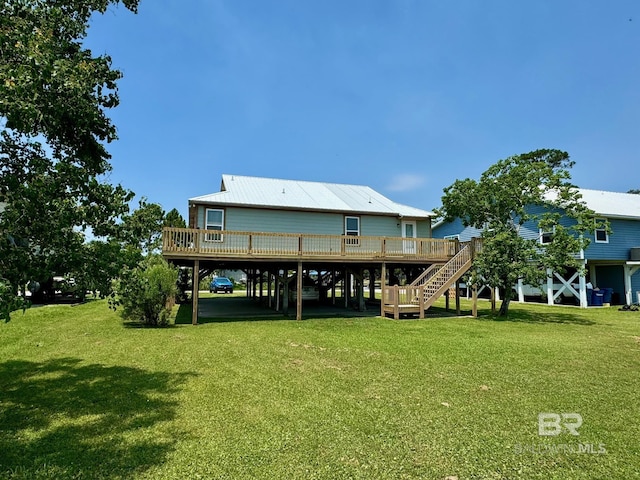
84, 396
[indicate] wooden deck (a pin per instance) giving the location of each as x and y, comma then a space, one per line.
191, 244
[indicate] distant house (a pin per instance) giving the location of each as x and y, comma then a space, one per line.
612, 260
281, 230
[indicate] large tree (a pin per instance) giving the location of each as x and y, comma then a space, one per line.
174, 219
143, 228
54, 95
522, 190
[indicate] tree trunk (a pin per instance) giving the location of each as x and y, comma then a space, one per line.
504, 306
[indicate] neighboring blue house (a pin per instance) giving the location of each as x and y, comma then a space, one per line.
612, 260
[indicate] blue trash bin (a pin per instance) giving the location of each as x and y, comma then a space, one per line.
598, 298
608, 293
589, 297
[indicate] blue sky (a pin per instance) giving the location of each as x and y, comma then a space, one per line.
402, 95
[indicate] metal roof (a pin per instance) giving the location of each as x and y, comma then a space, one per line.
612, 204
304, 195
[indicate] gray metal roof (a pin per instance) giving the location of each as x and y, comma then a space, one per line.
612, 204
304, 195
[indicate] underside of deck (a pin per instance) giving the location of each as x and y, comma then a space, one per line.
280, 261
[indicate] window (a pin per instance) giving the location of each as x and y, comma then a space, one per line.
546, 237
452, 237
214, 221
352, 228
601, 234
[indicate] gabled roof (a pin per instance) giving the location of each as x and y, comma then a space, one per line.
304, 195
612, 204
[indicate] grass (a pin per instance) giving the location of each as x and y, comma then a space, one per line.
84, 396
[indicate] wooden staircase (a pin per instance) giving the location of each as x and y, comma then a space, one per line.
434, 282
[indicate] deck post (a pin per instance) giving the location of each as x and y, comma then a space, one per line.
299, 289
383, 281
360, 291
261, 284
457, 286
474, 296
285, 292
194, 292
396, 303
269, 286
372, 283
333, 286
346, 287
421, 301
278, 281
446, 300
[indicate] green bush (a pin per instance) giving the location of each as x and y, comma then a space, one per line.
147, 293
9, 301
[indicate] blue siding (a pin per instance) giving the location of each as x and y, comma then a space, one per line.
625, 234
323, 223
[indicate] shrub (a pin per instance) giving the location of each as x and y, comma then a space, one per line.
146, 293
9, 301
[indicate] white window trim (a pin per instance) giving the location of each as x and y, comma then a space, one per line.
352, 241
595, 233
452, 237
213, 237
543, 232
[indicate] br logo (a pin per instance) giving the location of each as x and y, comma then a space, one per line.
551, 424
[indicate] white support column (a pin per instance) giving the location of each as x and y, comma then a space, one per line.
549, 286
582, 290
627, 285
520, 291
629, 271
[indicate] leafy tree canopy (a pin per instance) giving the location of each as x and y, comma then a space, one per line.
54, 95
174, 219
528, 189
143, 228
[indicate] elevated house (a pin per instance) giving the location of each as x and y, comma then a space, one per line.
286, 234
612, 259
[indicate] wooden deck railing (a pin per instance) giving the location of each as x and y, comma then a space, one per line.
188, 242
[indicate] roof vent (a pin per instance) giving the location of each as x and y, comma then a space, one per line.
283, 190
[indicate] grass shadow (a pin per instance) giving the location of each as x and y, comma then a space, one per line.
233, 309
526, 316
65, 419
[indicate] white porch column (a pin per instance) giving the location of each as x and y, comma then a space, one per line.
549, 286
629, 270
520, 291
582, 290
